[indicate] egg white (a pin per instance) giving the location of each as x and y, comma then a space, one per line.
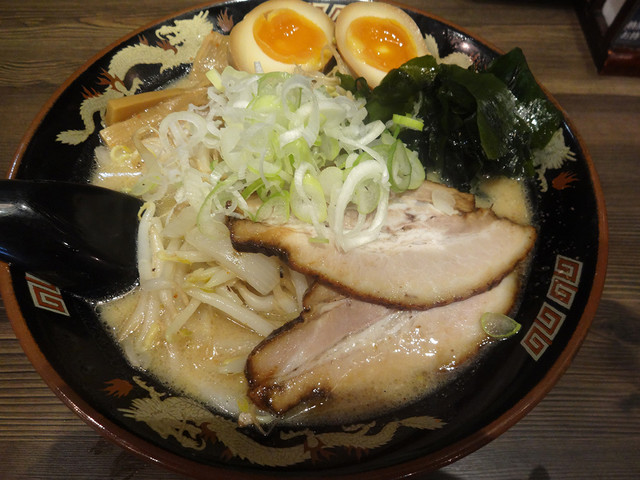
353, 11
245, 51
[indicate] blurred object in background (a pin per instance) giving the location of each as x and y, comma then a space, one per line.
612, 29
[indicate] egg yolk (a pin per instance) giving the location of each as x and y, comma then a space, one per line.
382, 43
288, 37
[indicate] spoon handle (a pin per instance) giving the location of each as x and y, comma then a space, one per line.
80, 237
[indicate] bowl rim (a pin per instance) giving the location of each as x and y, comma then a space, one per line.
429, 462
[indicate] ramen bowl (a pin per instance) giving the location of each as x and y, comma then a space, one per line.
65, 340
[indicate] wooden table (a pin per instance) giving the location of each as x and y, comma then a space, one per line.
587, 427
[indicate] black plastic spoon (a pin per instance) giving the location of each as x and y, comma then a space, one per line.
80, 237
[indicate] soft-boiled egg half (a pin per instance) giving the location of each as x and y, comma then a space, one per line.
373, 38
279, 35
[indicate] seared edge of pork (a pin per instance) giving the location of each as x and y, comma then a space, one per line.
423, 257
341, 346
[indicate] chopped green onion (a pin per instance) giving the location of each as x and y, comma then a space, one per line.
308, 202
265, 103
216, 80
417, 169
275, 209
252, 188
366, 196
331, 180
319, 240
294, 143
270, 83
408, 122
405, 170
497, 325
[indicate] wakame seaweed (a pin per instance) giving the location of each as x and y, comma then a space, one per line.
476, 123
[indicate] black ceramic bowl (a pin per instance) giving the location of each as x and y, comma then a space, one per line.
65, 341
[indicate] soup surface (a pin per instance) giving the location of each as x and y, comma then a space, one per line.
234, 169
206, 361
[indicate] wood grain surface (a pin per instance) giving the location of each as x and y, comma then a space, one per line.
589, 424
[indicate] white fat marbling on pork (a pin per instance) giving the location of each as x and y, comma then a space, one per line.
348, 350
423, 257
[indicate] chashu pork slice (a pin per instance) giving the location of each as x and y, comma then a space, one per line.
348, 351
422, 258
